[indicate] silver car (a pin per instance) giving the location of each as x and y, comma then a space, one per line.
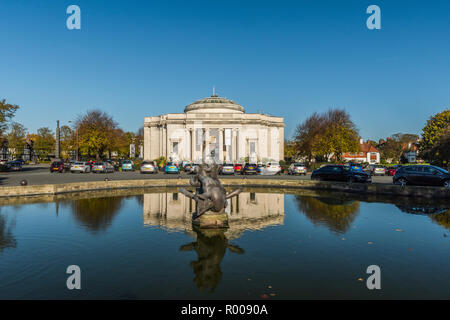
102, 167
148, 167
227, 168
80, 167
297, 168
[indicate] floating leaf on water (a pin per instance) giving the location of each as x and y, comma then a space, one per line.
343, 239
264, 296
370, 242
360, 279
270, 287
399, 230
273, 294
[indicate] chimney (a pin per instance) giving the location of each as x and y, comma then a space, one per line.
361, 141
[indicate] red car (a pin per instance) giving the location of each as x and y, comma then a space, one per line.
391, 171
57, 166
237, 167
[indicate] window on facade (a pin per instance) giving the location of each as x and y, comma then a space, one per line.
252, 147
175, 147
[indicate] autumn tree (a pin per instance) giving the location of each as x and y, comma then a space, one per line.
96, 130
7, 112
435, 130
323, 135
44, 143
396, 145
67, 140
16, 138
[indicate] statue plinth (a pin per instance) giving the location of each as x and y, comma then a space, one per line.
210, 197
211, 220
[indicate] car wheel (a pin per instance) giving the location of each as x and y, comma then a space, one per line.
447, 184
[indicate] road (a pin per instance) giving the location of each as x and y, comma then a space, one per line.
40, 174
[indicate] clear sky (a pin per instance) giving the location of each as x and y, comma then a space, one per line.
287, 58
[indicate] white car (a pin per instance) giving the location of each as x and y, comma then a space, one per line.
148, 167
297, 168
80, 167
271, 168
227, 168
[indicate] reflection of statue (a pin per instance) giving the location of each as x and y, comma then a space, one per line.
210, 246
7, 240
96, 213
336, 214
210, 197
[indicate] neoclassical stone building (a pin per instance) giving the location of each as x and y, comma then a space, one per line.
214, 126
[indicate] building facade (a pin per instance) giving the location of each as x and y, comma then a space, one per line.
367, 153
214, 128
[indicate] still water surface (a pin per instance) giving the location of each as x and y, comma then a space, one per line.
278, 246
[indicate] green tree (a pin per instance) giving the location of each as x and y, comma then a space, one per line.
7, 112
322, 135
436, 129
44, 145
67, 140
16, 139
96, 131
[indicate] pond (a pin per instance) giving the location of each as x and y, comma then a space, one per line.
281, 244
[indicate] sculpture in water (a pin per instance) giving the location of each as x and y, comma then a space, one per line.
210, 197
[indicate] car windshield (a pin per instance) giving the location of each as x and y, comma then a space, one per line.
127, 162
56, 163
299, 165
79, 163
170, 164
228, 165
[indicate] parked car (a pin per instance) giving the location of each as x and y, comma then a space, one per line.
340, 173
355, 167
297, 168
80, 167
227, 168
102, 167
171, 167
424, 175
21, 161
191, 168
237, 167
57, 166
376, 169
249, 168
271, 168
391, 170
148, 167
14, 165
127, 165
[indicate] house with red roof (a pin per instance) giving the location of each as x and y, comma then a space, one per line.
366, 153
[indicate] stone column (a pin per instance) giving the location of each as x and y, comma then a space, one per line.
191, 133
221, 144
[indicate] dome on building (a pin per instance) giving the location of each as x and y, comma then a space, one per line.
214, 104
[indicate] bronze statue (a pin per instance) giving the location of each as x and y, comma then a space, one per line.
210, 195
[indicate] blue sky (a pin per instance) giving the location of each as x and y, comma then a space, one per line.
287, 58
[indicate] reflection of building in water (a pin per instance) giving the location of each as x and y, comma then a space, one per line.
247, 211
